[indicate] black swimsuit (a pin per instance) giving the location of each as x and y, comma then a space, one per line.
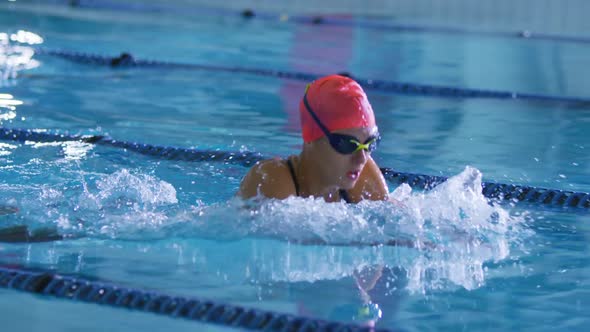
343, 193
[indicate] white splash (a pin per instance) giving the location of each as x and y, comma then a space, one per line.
118, 205
439, 240
141, 188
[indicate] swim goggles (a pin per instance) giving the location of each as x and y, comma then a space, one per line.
344, 144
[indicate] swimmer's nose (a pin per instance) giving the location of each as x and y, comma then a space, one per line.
360, 157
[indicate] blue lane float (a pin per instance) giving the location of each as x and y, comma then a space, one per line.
51, 284
126, 60
492, 190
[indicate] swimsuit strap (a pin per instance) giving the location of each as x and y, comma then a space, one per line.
343, 193
292, 170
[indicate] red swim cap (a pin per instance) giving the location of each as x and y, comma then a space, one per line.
339, 102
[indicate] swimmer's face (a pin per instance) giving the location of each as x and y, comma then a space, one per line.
343, 170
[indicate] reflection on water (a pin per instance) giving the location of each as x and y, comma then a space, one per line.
15, 55
8, 106
362, 257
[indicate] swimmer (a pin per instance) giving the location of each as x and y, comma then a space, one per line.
339, 133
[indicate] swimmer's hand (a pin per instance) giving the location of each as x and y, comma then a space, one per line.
367, 277
22, 234
7, 209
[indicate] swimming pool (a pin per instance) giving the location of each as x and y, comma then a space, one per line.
173, 226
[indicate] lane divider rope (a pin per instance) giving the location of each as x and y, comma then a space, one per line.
320, 20
126, 60
51, 284
492, 190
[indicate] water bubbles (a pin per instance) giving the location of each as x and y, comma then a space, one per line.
123, 188
123, 204
439, 239
449, 234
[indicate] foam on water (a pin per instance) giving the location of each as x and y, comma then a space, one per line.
115, 205
442, 238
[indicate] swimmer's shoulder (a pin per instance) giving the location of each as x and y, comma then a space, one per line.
371, 184
270, 178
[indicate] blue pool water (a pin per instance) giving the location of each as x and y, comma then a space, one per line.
175, 227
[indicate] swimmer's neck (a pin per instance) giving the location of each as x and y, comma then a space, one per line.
311, 181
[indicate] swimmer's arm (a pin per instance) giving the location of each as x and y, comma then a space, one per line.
22, 234
269, 178
7, 209
366, 279
371, 184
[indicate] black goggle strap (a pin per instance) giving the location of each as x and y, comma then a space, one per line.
315, 117
324, 129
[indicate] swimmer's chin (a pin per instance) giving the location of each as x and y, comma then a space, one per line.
347, 183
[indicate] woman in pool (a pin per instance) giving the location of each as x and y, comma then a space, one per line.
339, 133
